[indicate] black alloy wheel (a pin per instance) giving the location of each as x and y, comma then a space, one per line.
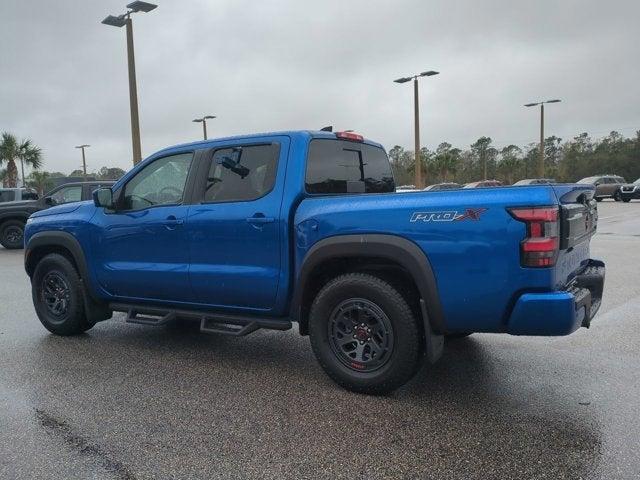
56, 294
360, 335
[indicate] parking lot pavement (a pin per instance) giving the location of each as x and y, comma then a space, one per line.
133, 402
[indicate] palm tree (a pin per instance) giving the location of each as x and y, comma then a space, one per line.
445, 160
25, 151
41, 181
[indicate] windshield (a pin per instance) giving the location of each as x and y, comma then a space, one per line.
588, 180
637, 182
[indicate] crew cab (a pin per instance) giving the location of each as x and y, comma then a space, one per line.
14, 215
260, 231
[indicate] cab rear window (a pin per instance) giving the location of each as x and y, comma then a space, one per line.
337, 166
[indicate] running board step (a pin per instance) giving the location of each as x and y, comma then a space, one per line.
210, 322
134, 316
212, 325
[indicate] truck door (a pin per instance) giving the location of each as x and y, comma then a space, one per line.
235, 232
140, 249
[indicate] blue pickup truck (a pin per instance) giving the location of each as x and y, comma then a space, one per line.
261, 231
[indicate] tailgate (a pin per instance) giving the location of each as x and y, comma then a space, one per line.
578, 223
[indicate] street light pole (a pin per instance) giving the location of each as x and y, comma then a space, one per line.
416, 133
541, 159
84, 161
133, 95
541, 156
203, 120
416, 119
124, 20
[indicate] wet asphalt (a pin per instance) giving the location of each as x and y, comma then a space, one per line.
134, 402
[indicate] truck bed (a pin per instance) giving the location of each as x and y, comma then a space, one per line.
468, 236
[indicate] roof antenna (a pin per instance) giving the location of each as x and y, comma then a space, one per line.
327, 129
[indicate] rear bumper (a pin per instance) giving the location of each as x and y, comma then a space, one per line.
561, 312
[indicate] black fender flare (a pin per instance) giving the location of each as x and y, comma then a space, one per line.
55, 239
21, 215
96, 308
391, 247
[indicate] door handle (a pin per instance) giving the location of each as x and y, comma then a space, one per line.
260, 219
172, 222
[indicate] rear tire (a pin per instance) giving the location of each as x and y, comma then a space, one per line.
12, 234
457, 336
58, 296
364, 334
598, 199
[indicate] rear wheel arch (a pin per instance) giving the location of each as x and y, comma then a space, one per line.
394, 259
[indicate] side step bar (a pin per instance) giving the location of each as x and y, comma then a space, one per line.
133, 316
210, 322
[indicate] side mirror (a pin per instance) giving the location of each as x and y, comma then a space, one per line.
103, 197
49, 201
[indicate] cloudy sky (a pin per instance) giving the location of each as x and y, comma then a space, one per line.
295, 64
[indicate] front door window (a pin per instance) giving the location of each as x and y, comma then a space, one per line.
67, 195
160, 183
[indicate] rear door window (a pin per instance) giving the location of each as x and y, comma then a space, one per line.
7, 195
338, 167
242, 173
29, 195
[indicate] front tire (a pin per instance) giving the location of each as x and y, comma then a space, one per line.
58, 296
617, 196
12, 234
364, 334
626, 200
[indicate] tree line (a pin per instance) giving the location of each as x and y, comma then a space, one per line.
566, 161
25, 153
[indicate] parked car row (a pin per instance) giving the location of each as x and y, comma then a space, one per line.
607, 186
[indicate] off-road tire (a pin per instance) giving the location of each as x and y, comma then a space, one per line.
12, 234
63, 282
403, 358
457, 335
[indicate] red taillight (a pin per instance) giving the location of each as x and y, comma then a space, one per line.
354, 137
540, 248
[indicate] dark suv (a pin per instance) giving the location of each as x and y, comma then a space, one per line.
607, 186
628, 191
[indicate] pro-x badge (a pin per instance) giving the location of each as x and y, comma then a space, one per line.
448, 215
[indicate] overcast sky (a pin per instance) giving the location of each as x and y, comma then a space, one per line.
295, 64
